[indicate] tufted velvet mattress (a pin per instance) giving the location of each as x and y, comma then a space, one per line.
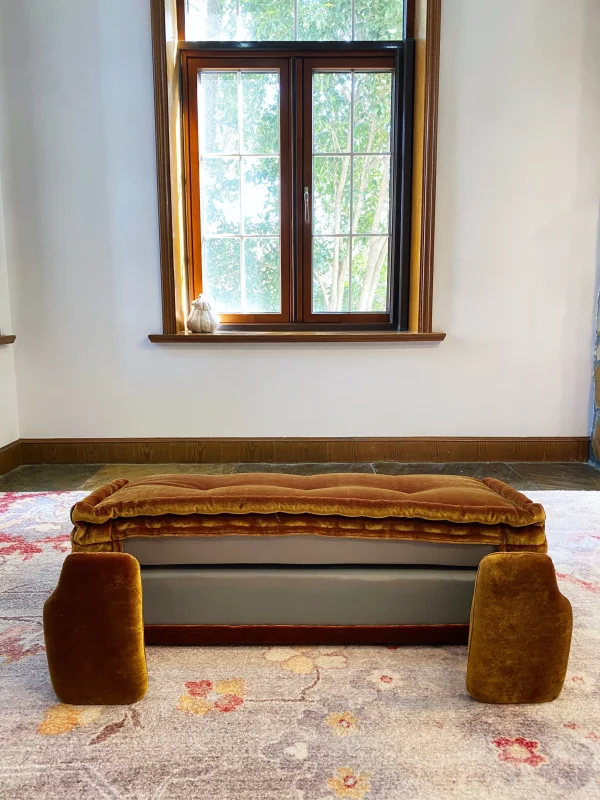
337, 549
432, 508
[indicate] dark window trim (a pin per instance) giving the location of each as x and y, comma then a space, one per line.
296, 275
341, 59
302, 48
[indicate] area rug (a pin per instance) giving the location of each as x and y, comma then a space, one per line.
293, 723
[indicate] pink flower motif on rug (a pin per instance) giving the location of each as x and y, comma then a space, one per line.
18, 546
205, 696
385, 680
60, 543
519, 751
589, 587
6, 500
199, 688
19, 642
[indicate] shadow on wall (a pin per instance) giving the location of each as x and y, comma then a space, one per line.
592, 36
54, 165
595, 447
78, 168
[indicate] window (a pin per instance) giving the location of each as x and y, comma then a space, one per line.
239, 179
294, 20
286, 168
293, 188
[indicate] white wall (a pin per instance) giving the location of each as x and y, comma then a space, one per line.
9, 421
516, 251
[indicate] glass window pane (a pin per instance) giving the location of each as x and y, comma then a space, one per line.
262, 276
369, 273
331, 194
220, 190
260, 112
361, 100
330, 258
218, 112
372, 112
324, 20
285, 20
331, 112
371, 194
240, 194
211, 20
266, 20
221, 273
378, 20
260, 195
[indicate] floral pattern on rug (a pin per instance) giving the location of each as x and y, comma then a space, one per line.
346, 783
519, 751
20, 641
292, 723
205, 696
304, 660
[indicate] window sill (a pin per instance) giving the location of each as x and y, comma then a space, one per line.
222, 337
7, 339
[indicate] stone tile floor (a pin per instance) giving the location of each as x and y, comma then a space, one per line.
522, 475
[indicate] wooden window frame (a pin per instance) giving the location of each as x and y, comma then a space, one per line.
422, 23
192, 63
296, 140
387, 320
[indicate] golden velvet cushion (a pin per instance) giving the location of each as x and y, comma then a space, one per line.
430, 507
94, 631
520, 632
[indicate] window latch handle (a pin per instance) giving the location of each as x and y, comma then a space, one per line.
306, 205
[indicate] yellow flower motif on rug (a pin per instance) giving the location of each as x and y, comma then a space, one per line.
304, 660
194, 705
349, 784
63, 718
342, 723
205, 696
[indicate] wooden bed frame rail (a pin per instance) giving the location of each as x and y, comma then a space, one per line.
305, 634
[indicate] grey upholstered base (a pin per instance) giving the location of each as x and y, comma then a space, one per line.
307, 549
306, 595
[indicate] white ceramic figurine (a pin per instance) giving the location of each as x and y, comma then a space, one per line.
202, 319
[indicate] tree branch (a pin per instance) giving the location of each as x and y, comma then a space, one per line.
373, 255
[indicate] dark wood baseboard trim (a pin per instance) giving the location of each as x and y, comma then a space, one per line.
305, 634
294, 450
11, 457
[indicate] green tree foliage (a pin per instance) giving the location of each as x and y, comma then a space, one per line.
273, 20
241, 192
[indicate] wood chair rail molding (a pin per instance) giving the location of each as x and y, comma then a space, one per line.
422, 22
291, 450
